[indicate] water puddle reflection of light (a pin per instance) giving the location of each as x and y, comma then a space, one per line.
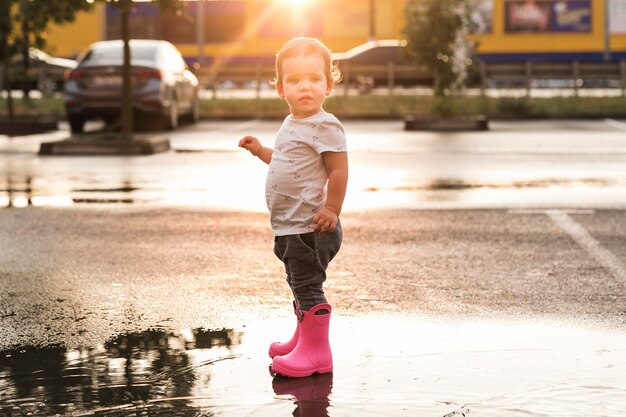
513, 165
246, 193
389, 365
469, 193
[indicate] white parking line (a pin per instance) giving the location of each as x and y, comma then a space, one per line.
587, 242
616, 124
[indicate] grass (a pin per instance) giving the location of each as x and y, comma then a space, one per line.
371, 106
384, 106
35, 107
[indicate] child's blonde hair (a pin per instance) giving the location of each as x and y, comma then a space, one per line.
306, 46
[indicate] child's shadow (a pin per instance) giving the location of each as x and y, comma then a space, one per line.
310, 393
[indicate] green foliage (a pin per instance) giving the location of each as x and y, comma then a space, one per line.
382, 106
436, 34
23, 24
34, 16
445, 106
374, 106
7, 21
42, 106
513, 106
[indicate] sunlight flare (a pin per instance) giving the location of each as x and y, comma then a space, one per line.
296, 3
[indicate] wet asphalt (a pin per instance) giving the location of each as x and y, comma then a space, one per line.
79, 277
131, 298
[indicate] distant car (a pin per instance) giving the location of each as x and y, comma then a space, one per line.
163, 87
366, 64
374, 52
45, 71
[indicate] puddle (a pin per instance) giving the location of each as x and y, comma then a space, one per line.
531, 164
203, 191
130, 373
103, 200
106, 190
452, 184
384, 366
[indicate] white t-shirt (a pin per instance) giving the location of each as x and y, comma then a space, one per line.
295, 188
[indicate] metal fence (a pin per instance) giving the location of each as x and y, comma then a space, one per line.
571, 75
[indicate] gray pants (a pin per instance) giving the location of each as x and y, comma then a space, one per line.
306, 257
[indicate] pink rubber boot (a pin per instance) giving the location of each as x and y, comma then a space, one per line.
312, 353
283, 348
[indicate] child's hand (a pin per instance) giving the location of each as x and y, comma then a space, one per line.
325, 221
251, 144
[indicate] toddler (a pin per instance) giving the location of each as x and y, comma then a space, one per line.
305, 188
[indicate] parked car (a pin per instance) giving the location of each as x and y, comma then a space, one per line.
163, 87
374, 53
45, 72
366, 65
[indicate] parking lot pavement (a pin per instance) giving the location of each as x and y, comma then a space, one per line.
197, 268
478, 273
517, 164
435, 311
523, 178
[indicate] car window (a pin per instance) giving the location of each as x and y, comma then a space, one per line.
108, 54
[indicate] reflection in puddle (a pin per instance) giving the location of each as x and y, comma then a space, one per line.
126, 189
26, 192
391, 365
507, 167
130, 372
103, 200
310, 395
452, 184
16, 191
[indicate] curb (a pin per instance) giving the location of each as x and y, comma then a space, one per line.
106, 145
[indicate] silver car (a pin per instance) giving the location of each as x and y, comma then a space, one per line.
163, 88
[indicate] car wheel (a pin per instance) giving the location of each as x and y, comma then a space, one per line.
172, 115
77, 124
195, 111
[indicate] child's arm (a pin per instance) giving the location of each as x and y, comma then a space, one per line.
253, 145
337, 169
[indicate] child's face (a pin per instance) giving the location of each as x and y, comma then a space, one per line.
304, 84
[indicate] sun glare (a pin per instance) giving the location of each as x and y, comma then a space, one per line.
296, 3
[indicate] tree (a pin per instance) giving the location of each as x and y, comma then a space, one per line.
126, 115
32, 17
6, 26
23, 25
436, 32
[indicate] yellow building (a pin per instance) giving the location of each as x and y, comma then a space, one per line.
243, 29
252, 30
552, 30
